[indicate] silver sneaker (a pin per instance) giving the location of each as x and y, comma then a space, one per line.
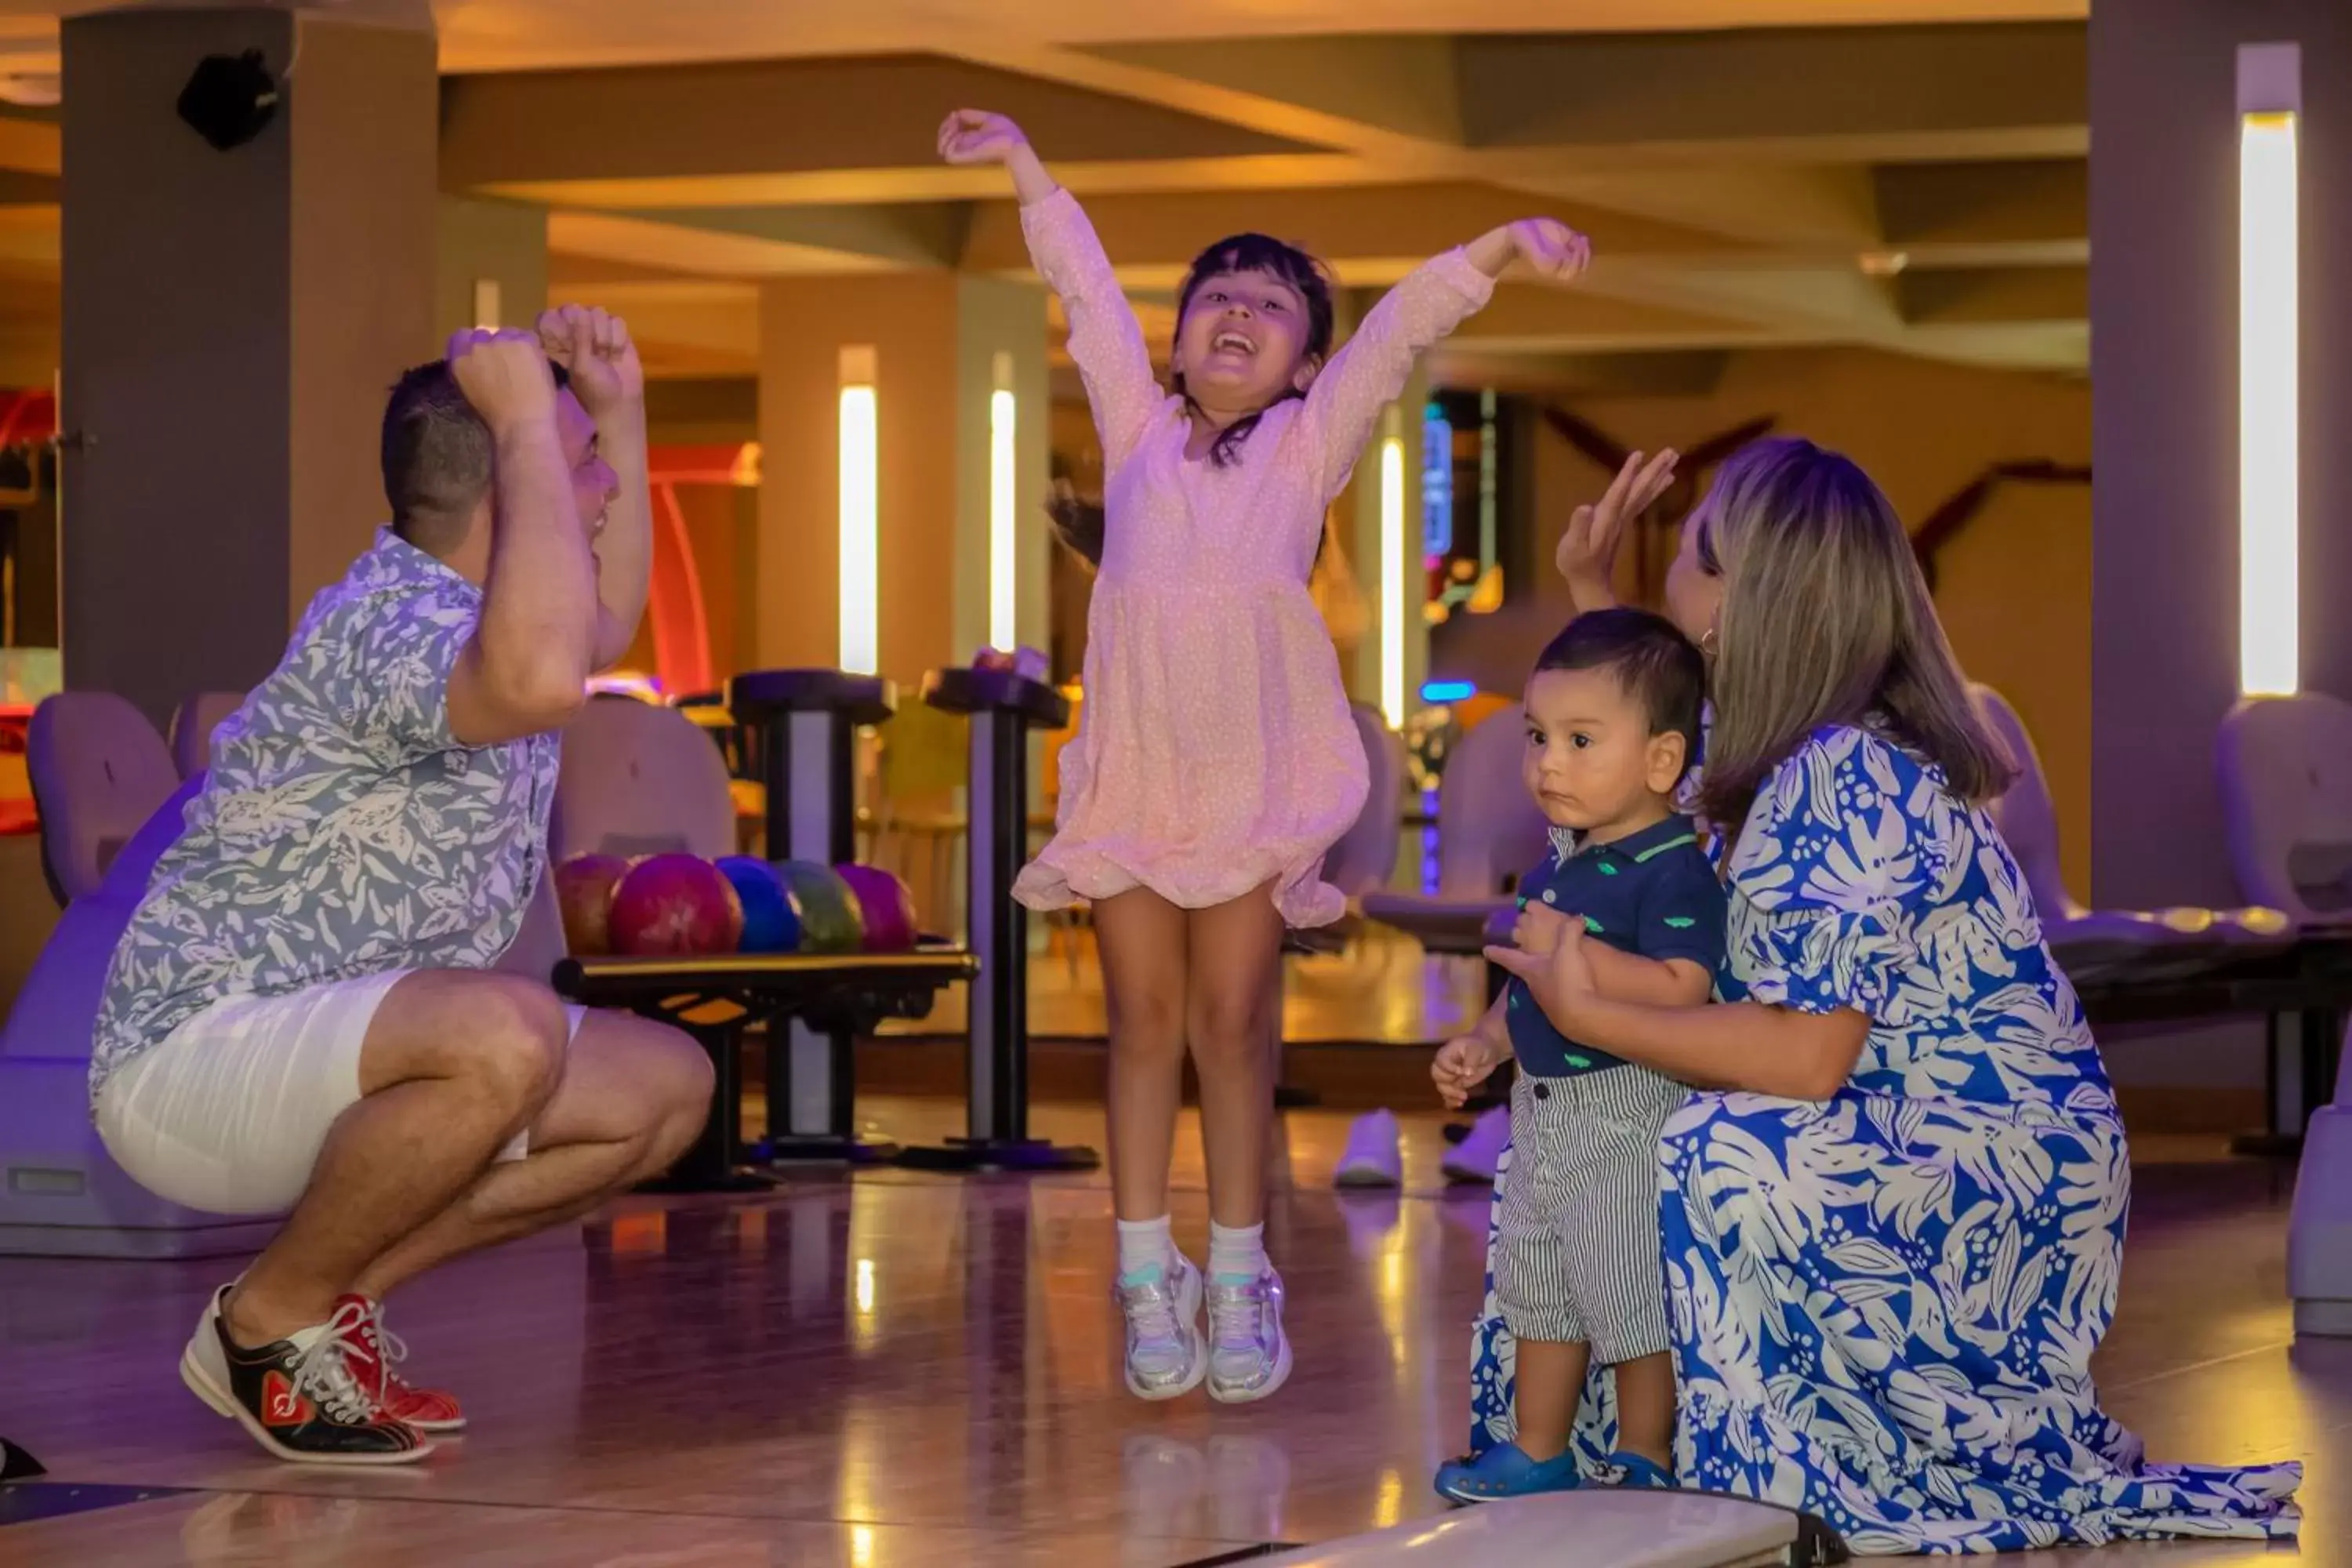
1249, 1355
1164, 1355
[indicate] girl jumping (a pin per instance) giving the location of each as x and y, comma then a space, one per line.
1215, 761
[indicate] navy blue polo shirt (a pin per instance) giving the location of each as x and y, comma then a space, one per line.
1650, 893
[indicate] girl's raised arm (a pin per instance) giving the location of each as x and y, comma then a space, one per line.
1366, 376
1105, 340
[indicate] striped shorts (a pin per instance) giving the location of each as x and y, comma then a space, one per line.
1576, 1251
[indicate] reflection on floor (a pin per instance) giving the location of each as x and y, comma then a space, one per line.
895, 1369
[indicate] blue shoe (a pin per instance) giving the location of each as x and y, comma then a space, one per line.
1640, 1474
1504, 1471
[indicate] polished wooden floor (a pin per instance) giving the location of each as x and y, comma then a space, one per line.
894, 1369
1381, 990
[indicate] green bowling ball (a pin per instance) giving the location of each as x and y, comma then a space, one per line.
831, 920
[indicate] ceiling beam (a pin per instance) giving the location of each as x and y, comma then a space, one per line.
1381, 98
1380, 94
1989, 295
783, 116
935, 182
674, 249
907, 234
1827, 206
1925, 205
1854, 93
1345, 227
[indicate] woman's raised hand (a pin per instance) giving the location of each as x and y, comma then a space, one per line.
1587, 556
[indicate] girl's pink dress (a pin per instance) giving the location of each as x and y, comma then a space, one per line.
1215, 752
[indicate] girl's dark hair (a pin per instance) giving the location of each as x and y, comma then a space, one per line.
1077, 523
1258, 253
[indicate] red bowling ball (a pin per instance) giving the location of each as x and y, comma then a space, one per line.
583, 890
674, 906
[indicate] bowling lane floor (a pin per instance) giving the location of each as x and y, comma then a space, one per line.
893, 1369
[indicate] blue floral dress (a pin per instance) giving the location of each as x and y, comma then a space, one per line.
1883, 1307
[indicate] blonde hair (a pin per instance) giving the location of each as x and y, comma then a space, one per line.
1826, 620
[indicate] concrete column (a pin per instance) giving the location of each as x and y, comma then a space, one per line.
231, 322
936, 339
2164, 307
489, 266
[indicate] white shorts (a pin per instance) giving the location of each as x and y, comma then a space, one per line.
227, 1113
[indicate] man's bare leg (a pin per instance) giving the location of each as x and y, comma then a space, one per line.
632, 1096
454, 1064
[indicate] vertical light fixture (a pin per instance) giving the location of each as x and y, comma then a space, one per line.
2270, 102
860, 514
1004, 571
1392, 568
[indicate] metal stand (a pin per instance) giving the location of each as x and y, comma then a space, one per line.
806, 723
1002, 707
844, 995
2300, 1063
714, 1161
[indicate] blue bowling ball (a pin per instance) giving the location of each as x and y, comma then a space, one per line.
771, 923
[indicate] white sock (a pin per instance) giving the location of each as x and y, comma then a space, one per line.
1236, 1254
1143, 1244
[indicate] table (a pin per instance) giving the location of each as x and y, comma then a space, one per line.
845, 994
2302, 988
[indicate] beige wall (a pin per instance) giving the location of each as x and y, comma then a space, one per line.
2015, 586
994, 317
910, 323
935, 337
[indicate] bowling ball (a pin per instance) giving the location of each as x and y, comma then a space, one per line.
831, 920
889, 908
584, 889
674, 906
770, 924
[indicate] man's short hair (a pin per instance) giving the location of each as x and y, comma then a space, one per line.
437, 451
1654, 664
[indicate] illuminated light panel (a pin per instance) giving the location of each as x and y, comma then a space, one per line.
1392, 572
1003, 568
861, 519
2270, 516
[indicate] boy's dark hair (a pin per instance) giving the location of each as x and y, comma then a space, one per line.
1302, 273
1655, 664
437, 451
